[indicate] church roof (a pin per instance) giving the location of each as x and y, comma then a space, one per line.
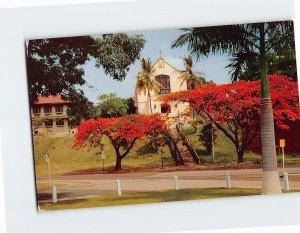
162, 59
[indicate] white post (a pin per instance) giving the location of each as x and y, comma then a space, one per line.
286, 184
49, 172
227, 177
212, 142
176, 182
118, 184
54, 194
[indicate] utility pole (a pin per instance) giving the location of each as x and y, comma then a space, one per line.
103, 158
212, 142
49, 172
102, 155
162, 158
282, 145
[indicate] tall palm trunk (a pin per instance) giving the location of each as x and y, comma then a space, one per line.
270, 183
150, 103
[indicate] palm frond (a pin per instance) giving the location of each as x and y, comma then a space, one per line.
202, 41
239, 63
145, 81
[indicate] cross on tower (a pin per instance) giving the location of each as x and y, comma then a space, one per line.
160, 60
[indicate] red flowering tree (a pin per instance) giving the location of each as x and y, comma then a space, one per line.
235, 108
123, 132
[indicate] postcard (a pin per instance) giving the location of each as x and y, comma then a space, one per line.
164, 115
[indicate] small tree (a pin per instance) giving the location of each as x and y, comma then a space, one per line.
111, 106
207, 137
123, 132
79, 108
131, 107
115, 53
191, 78
145, 82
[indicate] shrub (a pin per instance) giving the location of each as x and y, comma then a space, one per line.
205, 137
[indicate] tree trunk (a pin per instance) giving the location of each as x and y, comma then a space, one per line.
270, 183
175, 153
150, 103
240, 154
118, 166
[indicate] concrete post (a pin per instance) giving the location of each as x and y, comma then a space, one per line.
176, 182
54, 194
286, 184
48, 166
118, 184
227, 177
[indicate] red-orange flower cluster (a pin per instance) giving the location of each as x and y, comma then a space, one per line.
240, 101
119, 129
235, 108
122, 132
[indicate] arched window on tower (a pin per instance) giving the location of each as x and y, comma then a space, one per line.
164, 81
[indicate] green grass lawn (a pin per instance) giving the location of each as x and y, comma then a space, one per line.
151, 197
225, 154
65, 159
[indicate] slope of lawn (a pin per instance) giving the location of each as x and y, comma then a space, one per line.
225, 154
150, 197
65, 159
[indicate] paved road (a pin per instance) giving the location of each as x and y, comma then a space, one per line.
75, 186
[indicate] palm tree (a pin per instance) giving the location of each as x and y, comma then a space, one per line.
188, 76
244, 65
259, 39
145, 81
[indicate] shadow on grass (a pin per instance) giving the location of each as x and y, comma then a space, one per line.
48, 196
72, 202
150, 197
202, 152
146, 149
185, 194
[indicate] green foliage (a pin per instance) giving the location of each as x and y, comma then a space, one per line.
113, 106
207, 136
245, 66
54, 65
189, 77
130, 104
145, 83
116, 52
243, 42
79, 108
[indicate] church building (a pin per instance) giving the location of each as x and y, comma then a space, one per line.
169, 79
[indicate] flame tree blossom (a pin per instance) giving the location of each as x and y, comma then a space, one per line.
123, 132
235, 108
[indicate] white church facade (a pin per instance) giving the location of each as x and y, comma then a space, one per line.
169, 79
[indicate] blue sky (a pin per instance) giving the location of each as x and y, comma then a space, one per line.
213, 67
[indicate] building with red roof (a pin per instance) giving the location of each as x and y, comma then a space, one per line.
49, 116
57, 99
